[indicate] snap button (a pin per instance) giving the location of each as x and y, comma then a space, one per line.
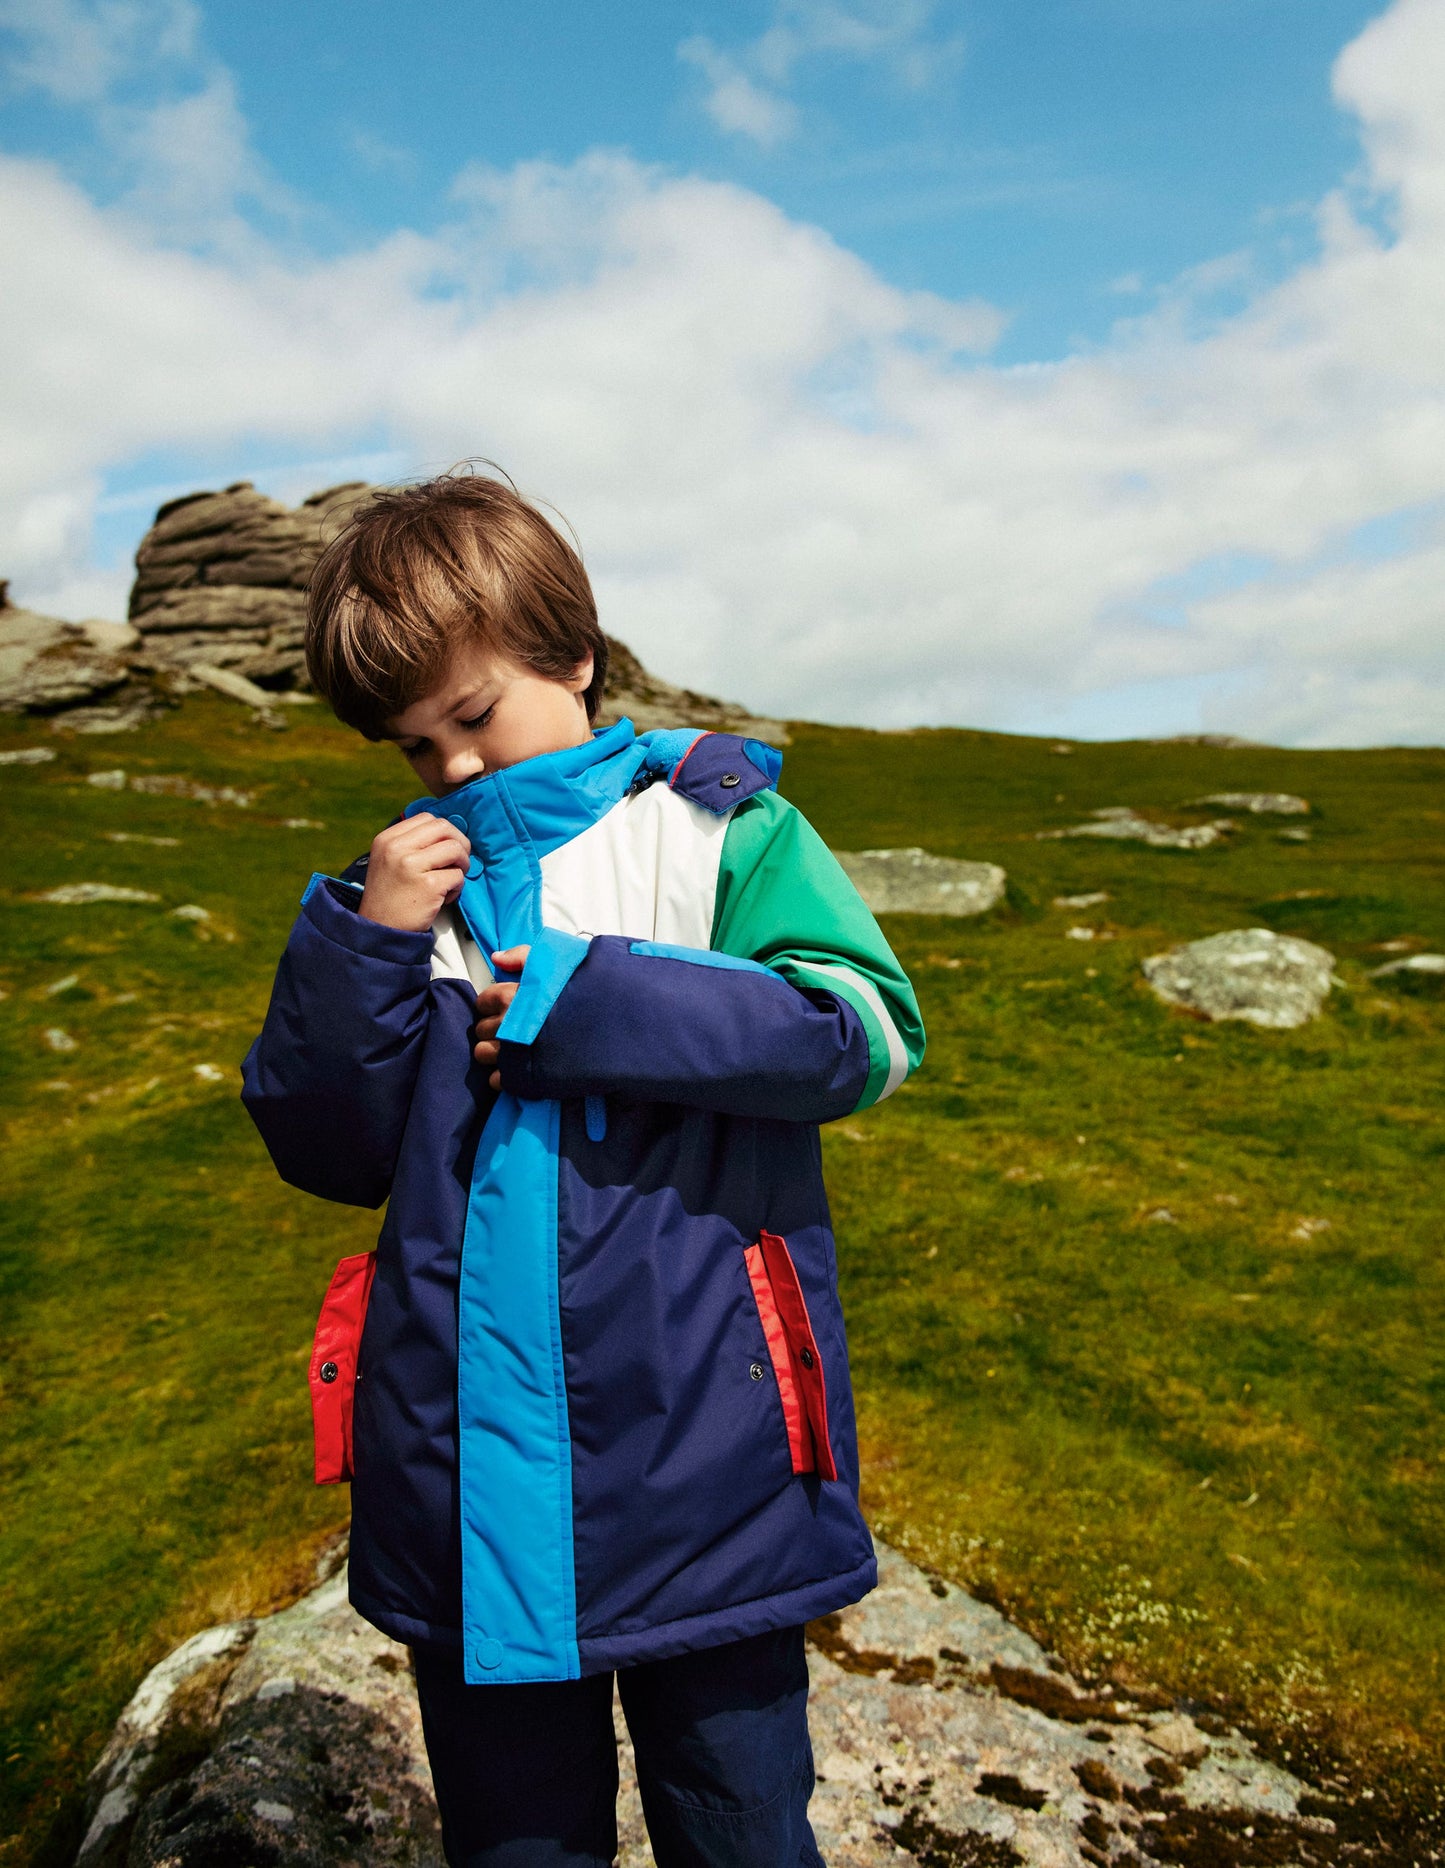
756, 1371
474, 869
329, 1371
488, 1653
458, 823
729, 779
805, 1356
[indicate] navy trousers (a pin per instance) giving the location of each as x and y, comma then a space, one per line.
526, 1776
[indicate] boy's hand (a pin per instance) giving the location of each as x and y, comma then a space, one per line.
492, 1003
416, 868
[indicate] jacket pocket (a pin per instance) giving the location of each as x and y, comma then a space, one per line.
793, 1351
334, 1353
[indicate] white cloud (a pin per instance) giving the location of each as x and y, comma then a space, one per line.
375, 153
168, 126
193, 169
78, 52
793, 482
737, 103
747, 87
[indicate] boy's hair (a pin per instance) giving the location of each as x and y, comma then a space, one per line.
419, 570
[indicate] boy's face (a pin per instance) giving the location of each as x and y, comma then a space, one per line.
487, 712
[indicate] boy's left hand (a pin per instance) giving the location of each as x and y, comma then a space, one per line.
492, 1003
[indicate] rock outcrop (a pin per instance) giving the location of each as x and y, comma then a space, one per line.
1253, 974
221, 579
942, 1734
913, 882
221, 586
82, 670
219, 601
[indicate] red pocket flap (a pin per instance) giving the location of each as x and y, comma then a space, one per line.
334, 1353
793, 1350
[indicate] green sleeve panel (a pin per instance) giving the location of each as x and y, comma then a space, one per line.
784, 901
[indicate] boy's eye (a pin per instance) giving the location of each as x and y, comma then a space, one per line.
414, 749
480, 719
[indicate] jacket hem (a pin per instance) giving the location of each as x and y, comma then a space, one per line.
735, 1623
684, 1636
408, 1628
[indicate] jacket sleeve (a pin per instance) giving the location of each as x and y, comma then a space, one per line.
329, 1081
798, 1010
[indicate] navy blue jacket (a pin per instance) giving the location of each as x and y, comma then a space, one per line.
601, 1408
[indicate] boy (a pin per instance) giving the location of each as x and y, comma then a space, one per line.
577, 1017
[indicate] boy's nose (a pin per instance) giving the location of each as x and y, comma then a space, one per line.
459, 767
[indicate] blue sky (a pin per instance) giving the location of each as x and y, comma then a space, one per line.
1072, 280
1059, 160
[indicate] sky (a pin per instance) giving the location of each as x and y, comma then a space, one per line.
1060, 366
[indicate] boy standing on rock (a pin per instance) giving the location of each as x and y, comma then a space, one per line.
577, 1018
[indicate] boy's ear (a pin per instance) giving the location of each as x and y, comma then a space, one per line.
580, 678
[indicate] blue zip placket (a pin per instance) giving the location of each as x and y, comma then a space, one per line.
519, 1605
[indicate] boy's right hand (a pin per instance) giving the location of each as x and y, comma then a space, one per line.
416, 867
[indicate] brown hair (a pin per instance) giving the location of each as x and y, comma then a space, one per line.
419, 569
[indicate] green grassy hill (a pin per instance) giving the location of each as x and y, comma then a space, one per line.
1146, 1314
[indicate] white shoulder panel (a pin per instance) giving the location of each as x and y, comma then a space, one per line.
454, 954
648, 869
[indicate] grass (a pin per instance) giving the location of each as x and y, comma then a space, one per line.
1146, 1314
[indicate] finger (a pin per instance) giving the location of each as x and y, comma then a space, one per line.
441, 851
410, 830
403, 827
512, 959
495, 1080
420, 832
487, 1052
431, 865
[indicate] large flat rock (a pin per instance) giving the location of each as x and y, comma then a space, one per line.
1260, 803
1253, 974
942, 1733
1121, 823
913, 882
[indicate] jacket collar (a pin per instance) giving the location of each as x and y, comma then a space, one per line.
545, 801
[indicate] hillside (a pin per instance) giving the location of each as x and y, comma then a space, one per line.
1146, 1313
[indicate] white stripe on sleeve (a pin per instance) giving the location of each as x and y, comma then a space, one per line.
869, 994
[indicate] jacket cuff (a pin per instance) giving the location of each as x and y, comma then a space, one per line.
554, 958
344, 926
